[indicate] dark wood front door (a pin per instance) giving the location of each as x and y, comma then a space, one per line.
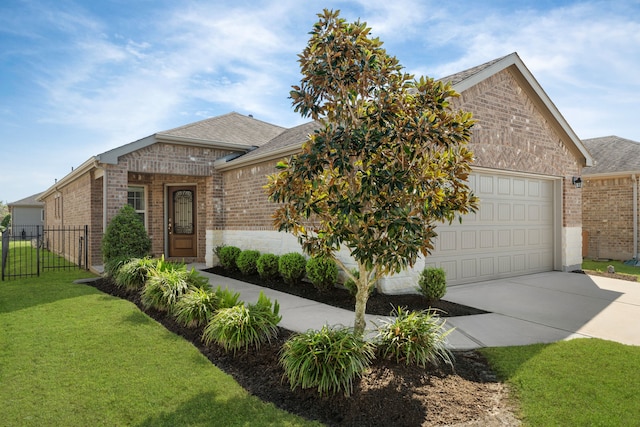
181, 227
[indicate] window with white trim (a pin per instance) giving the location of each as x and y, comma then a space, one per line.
136, 198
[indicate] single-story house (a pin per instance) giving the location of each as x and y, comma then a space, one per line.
201, 185
26, 214
610, 199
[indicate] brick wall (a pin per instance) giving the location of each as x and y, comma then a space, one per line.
246, 206
608, 217
512, 134
159, 165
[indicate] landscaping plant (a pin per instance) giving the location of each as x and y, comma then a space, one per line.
322, 271
329, 359
133, 274
244, 326
388, 164
267, 266
196, 307
291, 267
125, 238
414, 338
228, 256
432, 283
246, 262
226, 298
164, 288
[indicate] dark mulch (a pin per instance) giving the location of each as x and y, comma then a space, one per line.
378, 303
389, 394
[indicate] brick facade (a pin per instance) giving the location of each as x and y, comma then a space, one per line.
608, 217
512, 134
81, 201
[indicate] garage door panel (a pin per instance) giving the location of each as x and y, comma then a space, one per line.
511, 234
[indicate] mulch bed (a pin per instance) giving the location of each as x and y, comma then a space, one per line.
378, 304
389, 394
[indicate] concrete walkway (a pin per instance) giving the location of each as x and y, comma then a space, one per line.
537, 308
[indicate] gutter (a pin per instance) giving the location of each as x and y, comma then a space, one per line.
226, 163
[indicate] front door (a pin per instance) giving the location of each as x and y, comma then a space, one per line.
181, 227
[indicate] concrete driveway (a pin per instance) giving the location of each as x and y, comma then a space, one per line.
546, 307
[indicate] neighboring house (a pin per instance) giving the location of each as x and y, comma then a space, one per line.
530, 216
610, 199
26, 214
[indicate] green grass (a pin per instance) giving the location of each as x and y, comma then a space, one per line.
619, 266
73, 356
581, 382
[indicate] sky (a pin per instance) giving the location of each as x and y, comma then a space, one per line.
78, 78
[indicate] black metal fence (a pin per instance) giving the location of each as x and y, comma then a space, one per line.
32, 249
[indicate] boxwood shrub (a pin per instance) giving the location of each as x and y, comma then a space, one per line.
246, 262
291, 267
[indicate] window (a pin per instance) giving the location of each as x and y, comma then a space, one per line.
136, 198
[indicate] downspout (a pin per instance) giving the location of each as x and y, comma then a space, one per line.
104, 200
635, 216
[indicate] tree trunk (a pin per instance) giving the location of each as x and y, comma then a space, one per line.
362, 296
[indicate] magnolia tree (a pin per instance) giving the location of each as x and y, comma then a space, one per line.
387, 164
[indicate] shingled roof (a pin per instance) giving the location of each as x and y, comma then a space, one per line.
293, 138
231, 128
28, 201
464, 75
613, 155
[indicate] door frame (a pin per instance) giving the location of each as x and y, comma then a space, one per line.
167, 204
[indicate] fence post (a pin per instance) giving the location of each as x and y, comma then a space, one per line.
38, 250
5, 250
86, 247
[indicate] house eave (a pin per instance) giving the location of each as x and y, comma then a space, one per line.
604, 175
112, 156
88, 165
225, 164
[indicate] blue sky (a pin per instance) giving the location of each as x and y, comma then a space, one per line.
78, 78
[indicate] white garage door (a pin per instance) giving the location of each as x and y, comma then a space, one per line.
510, 235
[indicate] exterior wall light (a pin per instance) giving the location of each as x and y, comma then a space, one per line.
576, 181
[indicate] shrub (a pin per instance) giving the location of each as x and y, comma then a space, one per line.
228, 256
244, 326
329, 359
291, 267
417, 337
432, 283
164, 288
125, 238
196, 280
323, 272
133, 274
246, 262
267, 266
196, 307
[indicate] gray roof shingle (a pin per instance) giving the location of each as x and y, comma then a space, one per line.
612, 154
463, 75
28, 201
233, 128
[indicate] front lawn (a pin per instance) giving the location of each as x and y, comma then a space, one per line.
619, 266
73, 356
581, 382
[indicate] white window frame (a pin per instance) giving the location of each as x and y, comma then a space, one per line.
143, 188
